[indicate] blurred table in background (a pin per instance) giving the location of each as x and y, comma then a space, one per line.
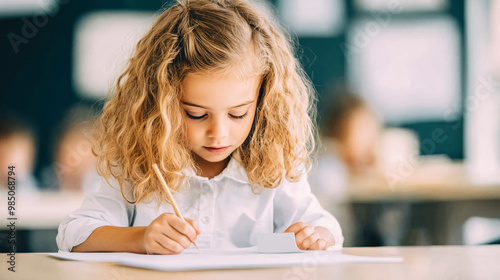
46, 209
38, 217
430, 205
433, 182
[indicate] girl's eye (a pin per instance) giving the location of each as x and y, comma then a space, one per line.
195, 117
238, 117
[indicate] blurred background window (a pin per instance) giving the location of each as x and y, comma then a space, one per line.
408, 70
406, 5
104, 42
482, 101
16, 8
313, 18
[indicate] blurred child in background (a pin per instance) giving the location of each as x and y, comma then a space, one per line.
17, 149
355, 130
74, 166
349, 146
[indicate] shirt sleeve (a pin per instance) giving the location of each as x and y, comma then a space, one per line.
294, 202
105, 207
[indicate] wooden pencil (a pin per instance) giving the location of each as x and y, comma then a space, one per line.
170, 196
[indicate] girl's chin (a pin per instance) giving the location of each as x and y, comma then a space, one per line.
208, 157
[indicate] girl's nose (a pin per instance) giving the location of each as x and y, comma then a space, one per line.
218, 128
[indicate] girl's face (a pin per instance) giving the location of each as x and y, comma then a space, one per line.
219, 113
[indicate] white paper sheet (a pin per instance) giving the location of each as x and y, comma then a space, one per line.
184, 262
192, 259
94, 257
118, 257
281, 246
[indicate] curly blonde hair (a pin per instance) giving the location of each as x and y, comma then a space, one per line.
142, 123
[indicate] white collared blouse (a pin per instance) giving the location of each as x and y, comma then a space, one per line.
228, 212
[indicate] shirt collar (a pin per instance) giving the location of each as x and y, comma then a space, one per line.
234, 170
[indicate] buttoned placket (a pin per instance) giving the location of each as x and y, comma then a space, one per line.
207, 211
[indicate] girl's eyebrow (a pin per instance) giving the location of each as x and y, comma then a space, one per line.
237, 106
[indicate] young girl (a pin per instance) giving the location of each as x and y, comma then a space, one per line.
214, 96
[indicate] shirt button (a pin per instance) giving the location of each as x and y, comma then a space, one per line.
205, 220
206, 188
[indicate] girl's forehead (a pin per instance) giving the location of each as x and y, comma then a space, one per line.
219, 91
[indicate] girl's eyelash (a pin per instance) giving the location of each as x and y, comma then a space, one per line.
239, 117
203, 116
195, 117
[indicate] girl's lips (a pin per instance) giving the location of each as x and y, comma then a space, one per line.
216, 149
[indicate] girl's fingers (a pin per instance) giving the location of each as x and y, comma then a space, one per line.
166, 242
158, 244
180, 239
164, 236
171, 244
295, 228
158, 249
183, 227
320, 244
308, 241
194, 225
302, 235
305, 235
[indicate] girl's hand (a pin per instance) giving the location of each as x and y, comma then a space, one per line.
311, 238
169, 234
